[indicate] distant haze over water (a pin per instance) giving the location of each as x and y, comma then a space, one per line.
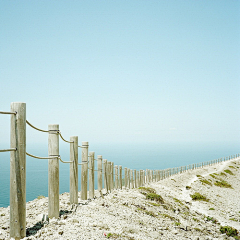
133, 156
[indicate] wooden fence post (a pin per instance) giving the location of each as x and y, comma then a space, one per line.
74, 170
53, 171
105, 174
116, 177
131, 182
135, 178
100, 167
91, 175
112, 175
120, 177
18, 172
84, 172
125, 177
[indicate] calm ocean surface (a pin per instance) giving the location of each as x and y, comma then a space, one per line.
151, 156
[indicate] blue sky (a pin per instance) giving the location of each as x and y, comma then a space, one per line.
123, 71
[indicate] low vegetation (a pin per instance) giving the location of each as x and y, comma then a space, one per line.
228, 171
147, 190
198, 197
230, 232
40, 197
205, 181
155, 197
223, 174
222, 183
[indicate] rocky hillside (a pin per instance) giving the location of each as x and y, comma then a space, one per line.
199, 204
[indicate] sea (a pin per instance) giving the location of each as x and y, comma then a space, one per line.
137, 156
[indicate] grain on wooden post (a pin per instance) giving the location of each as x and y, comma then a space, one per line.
105, 174
53, 171
112, 175
125, 177
74, 170
100, 167
109, 176
120, 177
84, 172
91, 175
135, 178
131, 177
18, 172
140, 178
116, 177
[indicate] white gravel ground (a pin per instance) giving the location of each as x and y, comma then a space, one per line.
127, 214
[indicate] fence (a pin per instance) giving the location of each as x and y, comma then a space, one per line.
108, 175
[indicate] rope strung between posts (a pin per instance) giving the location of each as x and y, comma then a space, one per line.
64, 161
35, 127
8, 113
52, 157
8, 150
64, 139
82, 163
41, 130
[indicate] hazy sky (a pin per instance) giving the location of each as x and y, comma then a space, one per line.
123, 71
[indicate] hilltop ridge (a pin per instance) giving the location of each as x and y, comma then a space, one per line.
173, 208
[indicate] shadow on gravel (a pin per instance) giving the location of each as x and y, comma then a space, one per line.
64, 212
33, 230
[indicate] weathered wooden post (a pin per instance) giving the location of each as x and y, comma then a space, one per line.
74, 170
138, 181
99, 158
112, 175
120, 177
105, 174
141, 178
109, 179
53, 171
135, 178
131, 182
91, 175
18, 172
129, 177
116, 177
84, 172
125, 177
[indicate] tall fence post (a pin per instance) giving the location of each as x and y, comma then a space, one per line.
74, 170
116, 177
18, 172
120, 177
109, 176
91, 175
53, 171
105, 174
125, 177
135, 178
112, 175
100, 167
84, 173
129, 178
